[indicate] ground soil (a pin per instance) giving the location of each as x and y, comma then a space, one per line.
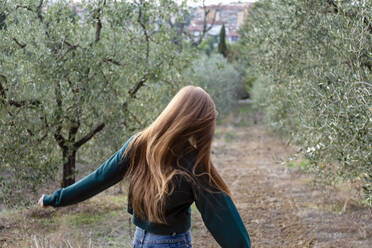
279, 205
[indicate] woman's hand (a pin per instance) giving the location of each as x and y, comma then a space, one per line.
41, 202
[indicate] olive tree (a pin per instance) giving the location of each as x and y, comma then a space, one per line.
313, 63
74, 73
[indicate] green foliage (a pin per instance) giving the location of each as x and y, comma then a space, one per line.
222, 47
95, 73
249, 79
302, 164
234, 53
240, 64
207, 45
218, 77
249, 83
314, 62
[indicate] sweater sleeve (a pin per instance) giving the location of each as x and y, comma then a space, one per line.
221, 218
109, 173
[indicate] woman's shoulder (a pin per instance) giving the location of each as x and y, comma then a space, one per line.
189, 158
127, 147
129, 140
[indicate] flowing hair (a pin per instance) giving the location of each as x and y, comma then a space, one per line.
187, 123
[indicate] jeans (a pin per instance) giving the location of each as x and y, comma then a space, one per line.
144, 239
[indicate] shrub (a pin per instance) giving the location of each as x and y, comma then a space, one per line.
218, 78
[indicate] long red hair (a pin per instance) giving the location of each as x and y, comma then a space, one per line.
188, 122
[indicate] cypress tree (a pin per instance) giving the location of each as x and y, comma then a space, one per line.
222, 48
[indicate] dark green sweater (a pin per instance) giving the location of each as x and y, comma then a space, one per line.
216, 208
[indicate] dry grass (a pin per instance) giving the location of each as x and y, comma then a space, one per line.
97, 222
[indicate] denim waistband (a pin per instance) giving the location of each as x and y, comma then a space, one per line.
145, 237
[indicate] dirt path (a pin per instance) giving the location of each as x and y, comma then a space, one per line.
278, 204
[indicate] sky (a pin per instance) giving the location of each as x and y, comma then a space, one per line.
209, 2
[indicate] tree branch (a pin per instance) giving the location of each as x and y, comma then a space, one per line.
135, 118
29, 131
337, 10
59, 138
19, 103
22, 103
99, 23
57, 134
333, 4
38, 13
112, 61
73, 130
98, 28
147, 38
38, 9
24, 7
90, 135
132, 92
75, 120
71, 48
2, 89
19, 43
46, 127
206, 28
125, 107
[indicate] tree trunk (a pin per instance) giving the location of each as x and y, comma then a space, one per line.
69, 159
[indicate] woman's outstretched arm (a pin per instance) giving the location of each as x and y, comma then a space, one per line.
109, 173
221, 218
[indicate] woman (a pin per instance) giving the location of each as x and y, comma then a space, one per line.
169, 167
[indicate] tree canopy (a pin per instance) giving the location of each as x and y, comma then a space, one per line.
313, 63
79, 77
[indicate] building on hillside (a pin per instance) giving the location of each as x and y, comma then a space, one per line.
232, 15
